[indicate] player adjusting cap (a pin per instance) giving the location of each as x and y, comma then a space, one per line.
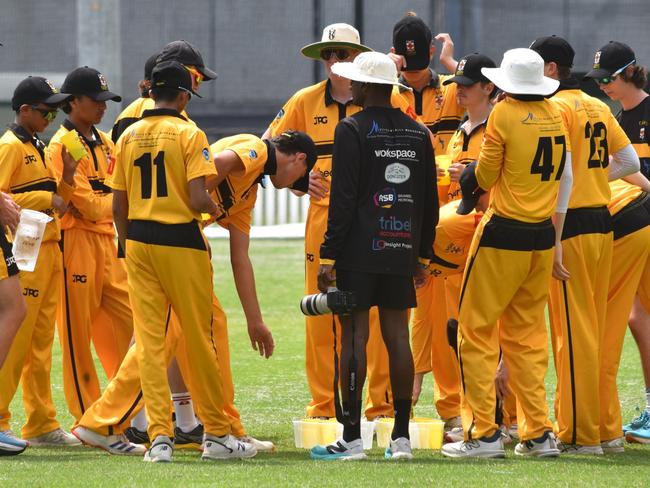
612, 57
172, 74
149, 65
185, 53
468, 70
89, 82
554, 49
412, 39
304, 144
36, 89
470, 189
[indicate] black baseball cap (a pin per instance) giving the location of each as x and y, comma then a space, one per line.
610, 58
149, 65
172, 74
90, 82
412, 39
305, 144
183, 52
36, 89
470, 189
468, 70
554, 49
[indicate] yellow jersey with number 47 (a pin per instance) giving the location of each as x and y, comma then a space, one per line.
522, 158
595, 134
156, 159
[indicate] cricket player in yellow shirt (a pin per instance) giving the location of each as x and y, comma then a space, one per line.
159, 185
29, 178
511, 259
578, 306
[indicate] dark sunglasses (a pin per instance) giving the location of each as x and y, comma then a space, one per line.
608, 79
48, 114
340, 53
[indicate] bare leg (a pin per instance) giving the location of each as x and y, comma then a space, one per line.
640, 326
12, 313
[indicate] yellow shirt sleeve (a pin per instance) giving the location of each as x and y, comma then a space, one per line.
198, 157
490, 159
291, 116
10, 159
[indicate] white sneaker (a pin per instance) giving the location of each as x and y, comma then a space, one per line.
114, 444
339, 450
56, 438
261, 446
11, 445
226, 447
161, 450
544, 446
399, 448
615, 446
579, 449
454, 435
481, 448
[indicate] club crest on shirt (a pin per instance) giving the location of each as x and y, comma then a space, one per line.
206, 154
439, 99
252, 154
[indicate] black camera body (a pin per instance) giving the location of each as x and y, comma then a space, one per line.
334, 301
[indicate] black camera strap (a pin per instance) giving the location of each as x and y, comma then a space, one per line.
352, 414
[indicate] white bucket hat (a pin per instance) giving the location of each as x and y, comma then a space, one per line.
372, 67
335, 35
521, 73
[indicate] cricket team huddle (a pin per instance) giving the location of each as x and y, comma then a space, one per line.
459, 206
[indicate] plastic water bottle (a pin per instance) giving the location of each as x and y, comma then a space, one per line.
28, 238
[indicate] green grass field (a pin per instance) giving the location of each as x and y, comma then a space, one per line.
270, 393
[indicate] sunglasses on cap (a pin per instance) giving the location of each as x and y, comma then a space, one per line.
197, 76
48, 114
340, 53
608, 79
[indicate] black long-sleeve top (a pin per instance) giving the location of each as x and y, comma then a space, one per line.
384, 200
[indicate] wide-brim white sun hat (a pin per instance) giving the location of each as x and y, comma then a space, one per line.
371, 67
521, 73
335, 35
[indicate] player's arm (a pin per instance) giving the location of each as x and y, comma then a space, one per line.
242, 268
228, 163
199, 197
563, 197
447, 52
9, 212
624, 160
346, 165
639, 180
121, 215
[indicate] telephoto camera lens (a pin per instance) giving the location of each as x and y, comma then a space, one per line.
315, 304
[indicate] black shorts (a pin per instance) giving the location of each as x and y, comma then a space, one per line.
8, 265
386, 291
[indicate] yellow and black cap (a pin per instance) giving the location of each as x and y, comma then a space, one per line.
468, 70
470, 189
612, 58
183, 52
172, 74
554, 49
412, 39
36, 89
89, 82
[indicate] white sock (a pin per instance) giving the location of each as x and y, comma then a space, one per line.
647, 399
140, 421
185, 418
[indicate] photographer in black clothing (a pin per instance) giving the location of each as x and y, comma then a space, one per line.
381, 226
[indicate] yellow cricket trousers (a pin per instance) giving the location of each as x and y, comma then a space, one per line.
30, 357
122, 399
506, 280
93, 305
431, 350
319, 353
577, 309
170, 265
630, 275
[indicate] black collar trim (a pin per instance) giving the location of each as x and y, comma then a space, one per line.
570, 83
434, 82
20, 132
527, 98
162, 111
329, 99
271, 165
98, 140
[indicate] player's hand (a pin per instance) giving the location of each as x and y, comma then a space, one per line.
326, 277
417, 387
421, 277
9, 212
399, 60
59, 204
501, 381
559, 271
69, 166
72, 210
318, 185
455, 170
440, 173
261, 339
